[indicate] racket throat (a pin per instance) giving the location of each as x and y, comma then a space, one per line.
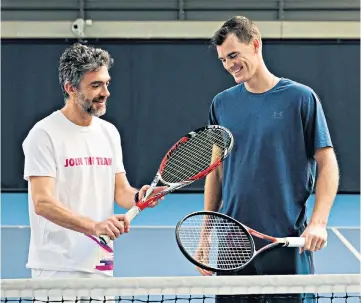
151, 188
263, 236
148, 193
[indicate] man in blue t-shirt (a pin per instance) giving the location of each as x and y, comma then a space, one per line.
280, 134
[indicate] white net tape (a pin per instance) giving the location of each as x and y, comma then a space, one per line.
216, 285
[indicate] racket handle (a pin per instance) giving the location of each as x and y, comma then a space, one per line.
131, 214
298, 242
295, 241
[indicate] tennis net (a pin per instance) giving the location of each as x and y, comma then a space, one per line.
292, 288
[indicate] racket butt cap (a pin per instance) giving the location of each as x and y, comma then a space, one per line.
104, 239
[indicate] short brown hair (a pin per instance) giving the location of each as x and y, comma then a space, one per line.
242, 27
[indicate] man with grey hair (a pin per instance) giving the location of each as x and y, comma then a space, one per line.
74, 168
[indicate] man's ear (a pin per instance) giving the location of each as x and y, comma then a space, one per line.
69, 88
256, 45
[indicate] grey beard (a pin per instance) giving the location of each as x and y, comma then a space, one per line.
87, 106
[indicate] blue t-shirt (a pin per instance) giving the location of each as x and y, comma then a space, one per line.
270, 172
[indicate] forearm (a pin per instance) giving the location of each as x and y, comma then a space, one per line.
213, 191
54, 211
326, 190
125, 197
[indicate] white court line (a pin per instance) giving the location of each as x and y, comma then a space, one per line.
15, 226
347, 243
344, 227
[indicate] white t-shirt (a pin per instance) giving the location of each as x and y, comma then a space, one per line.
83, 161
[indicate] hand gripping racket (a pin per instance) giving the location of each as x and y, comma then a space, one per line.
191, 158
219, 243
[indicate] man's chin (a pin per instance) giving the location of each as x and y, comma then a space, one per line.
96, 112
238, 80
99, 113
241, 79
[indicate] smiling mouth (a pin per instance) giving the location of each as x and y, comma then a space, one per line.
237, 71
99, 101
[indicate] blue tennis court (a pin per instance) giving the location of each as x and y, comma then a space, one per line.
152, 235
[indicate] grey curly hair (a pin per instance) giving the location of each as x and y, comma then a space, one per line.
79, 59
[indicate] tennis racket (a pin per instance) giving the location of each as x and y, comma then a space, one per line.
219, 243
191, 158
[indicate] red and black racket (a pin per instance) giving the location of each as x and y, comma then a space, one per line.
191, 158
219, 243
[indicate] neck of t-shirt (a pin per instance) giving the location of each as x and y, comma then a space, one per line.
77, 127
261, 82
265, 89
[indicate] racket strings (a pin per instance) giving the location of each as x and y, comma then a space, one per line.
196, 146
196, 155
215, 241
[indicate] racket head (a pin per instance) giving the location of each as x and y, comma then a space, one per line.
195, 155
226, 244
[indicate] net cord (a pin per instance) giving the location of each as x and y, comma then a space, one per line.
199, 285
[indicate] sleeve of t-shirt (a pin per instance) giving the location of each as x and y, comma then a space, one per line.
39, 155
316, 130
212, 118
119, 165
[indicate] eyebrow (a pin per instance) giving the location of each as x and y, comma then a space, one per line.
99, 82
230, 54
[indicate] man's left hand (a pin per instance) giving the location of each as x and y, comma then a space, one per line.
316, 237
155, 191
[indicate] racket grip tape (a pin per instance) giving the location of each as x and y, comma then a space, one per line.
295, 241
132, 213
298, 242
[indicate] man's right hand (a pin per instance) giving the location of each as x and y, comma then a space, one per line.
204, 272
113, 227
202, 256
